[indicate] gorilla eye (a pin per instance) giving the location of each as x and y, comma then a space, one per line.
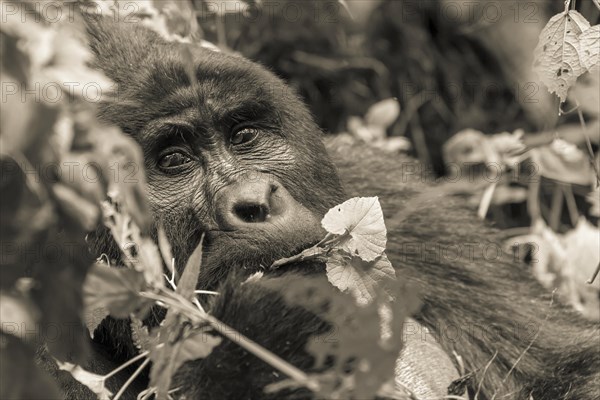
173, 160
244, 135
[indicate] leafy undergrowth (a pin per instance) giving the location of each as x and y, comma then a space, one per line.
356, 263
41, 132
49, 208
560, 242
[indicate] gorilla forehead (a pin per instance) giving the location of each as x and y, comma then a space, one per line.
246, 82
153, 79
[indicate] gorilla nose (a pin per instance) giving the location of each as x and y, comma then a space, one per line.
248, 204
253, 202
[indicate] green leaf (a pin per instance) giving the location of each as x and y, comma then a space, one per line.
360, 222
167, 357
149, 261
115, 289
363, 279
165, 247
93, 318
189, 278
142, 339
171, 351
557, 59
357, 339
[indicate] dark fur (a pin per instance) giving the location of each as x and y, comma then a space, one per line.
468, 294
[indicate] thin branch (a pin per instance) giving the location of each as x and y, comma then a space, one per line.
556, 207
180, 303
206, 292
531, 342
483, 374
126, 364
571, 203
594, 275
131, 379
264, 354
588, 142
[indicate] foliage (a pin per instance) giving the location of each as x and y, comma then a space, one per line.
49, 208
516, 172
47, 122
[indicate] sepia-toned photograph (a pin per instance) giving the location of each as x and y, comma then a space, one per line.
300, 200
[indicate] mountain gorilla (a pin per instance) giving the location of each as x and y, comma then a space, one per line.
237, 156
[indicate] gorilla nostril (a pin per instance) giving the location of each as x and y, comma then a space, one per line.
251, 213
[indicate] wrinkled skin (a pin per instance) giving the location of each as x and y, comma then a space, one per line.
238, 157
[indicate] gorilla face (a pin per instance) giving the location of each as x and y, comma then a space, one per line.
229, 151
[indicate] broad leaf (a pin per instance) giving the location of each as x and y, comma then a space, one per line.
557, 59
356, 340
589, 49
360, 221
115, 289
363, 279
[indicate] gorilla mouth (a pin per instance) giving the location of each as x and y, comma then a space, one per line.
255, 250
239, 254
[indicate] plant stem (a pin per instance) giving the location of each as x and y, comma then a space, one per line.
588, 142
131, 379
176, 301
571, 203
126, 364
206, 292
264, 354
308, 254
594, 275
556, 207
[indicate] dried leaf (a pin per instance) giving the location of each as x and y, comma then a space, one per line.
589, 49
557, 59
